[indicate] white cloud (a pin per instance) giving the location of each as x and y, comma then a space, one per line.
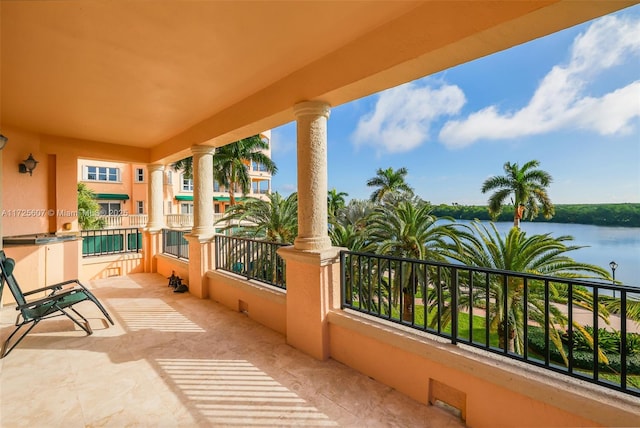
403, 116
561, 100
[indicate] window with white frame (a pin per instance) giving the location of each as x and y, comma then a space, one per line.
169, 207
139, 207
110, 208
260, 187
187, 184
186, 208
169, 178
139, 176
101, 173
216, 186
258, 166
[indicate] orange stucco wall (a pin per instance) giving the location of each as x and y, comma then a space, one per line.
25, 198
167, 265
265, 305
40, 265
45, 202
114, 265
137, 191
491, 393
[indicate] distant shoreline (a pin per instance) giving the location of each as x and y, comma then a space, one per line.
620, 215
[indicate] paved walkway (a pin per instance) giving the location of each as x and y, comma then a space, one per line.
173, 360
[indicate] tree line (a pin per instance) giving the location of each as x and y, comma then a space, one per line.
625, 215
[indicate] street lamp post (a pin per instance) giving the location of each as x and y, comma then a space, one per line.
613, 265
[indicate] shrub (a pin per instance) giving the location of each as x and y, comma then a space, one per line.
583, 355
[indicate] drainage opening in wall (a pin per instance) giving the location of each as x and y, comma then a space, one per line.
448, 398
243, 307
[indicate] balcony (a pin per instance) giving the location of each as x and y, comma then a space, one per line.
163, 361
158, 341
175, 221
120, 221
176, 360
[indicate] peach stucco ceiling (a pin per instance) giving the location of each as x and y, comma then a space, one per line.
163, 75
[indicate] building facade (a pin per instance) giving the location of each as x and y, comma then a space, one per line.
121, 190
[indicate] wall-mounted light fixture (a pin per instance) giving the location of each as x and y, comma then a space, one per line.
3, 141
28, 165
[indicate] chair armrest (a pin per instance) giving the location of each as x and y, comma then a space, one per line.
54, 287
49, 298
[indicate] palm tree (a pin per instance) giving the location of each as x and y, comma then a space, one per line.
387, 182
348, 225
88, 209
527, 188
355, 213
185, 165
335, 201
231, 164
539, 255
409, 230
276, 220
347, 236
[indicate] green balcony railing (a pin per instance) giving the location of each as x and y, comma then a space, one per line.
111, 241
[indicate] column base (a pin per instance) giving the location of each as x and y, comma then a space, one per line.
151, 246
316, 243
202, 233
200, 253
313, 289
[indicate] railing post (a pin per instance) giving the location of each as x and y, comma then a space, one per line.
343, 278
623, 339
454, 306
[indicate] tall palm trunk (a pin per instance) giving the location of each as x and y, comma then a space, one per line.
408, 297
407, 305
232, 187
507, 337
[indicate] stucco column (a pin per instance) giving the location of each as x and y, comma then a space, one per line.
313, 265
200, 242
156, 215
202, 190
152, 244
311, 117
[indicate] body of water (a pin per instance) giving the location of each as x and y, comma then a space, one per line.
602, 244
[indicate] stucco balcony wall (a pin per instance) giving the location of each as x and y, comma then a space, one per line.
266, 305
168, 265
488, 390
112, 265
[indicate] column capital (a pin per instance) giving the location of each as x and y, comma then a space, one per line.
203, 150
155, 167
315, 108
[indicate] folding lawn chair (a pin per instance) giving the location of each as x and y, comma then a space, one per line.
59, 300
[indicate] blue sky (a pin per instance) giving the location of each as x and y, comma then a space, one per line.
570, 100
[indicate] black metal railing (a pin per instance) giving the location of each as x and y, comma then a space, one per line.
252, 259
174, 244
102, 242
577, 328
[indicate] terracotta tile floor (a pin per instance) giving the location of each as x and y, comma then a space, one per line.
173, 360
